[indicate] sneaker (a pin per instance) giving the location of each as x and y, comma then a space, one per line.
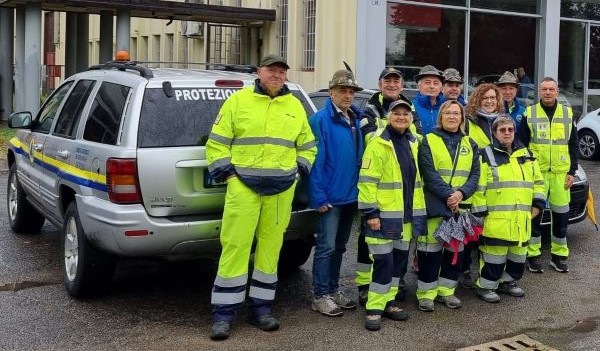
426, 305
511, 288
466, 281
373, 322
450, 301
220, 330
327, 306
393, 312
343, 301
488, 295
559, 264
363, 294
534, 265
264, 322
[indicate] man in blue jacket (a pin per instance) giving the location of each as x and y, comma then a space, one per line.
509, 86
333, 189
429, 98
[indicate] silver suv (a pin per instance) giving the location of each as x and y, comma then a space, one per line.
115, 158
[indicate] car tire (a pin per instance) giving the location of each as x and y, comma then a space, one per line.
294, 254
22, 216
87, 271
589, 148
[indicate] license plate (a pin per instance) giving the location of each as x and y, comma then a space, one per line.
209, 182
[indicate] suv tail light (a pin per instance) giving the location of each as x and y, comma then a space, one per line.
122, 181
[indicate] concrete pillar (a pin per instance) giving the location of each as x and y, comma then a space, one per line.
71, 44
20, 59
123, 30
370, 40
6, 62
82, 40
547, 40
33, 66
106, 36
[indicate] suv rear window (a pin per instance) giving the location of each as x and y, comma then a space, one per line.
172, 121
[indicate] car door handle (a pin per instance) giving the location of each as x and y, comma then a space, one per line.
37, 147
64, 154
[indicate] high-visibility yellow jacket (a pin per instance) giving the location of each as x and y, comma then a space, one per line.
550, 139
266, 141
509, 185
477, 134
380, 188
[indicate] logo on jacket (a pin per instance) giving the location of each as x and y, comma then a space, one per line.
464, 150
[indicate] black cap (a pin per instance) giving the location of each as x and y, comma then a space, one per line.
272, 59
389, 71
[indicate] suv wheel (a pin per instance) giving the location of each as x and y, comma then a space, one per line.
293, 255
588, 145
22, 217
87, 271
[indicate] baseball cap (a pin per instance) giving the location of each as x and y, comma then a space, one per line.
452, 75
398, 103
344, 78
272, 59
389, 71
508, 78
429, 70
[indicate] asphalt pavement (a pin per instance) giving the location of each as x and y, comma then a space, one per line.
158, 305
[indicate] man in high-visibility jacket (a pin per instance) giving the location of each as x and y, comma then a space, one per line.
550, 133
260, 144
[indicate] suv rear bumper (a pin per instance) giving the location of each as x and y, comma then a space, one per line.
105, 224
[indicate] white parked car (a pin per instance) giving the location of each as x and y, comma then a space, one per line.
588, 129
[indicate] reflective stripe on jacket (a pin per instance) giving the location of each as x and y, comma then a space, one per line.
266, 140
380, 185
550, 139
507, 191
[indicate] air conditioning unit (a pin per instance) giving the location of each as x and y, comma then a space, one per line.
192, 29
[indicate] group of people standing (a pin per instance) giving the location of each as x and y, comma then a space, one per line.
407, 166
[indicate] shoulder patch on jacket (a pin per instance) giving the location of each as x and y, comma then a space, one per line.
366, 163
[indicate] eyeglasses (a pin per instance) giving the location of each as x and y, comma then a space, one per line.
489, 98
506, 130
451, 113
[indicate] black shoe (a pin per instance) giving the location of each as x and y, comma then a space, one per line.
393, 312
363, 294
373, 324
265, 322
534, 265
400, 295
220, 330
559, 264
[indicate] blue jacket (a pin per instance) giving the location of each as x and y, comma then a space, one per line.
517, 113
428, 113
333, 178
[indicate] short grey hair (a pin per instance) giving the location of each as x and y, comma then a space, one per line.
502, 118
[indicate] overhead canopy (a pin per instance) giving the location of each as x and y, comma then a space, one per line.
170, 10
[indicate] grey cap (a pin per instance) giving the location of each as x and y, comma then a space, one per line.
272, 59
429, 70
452, 75
344, 78
508, 78
398, 103
388, 72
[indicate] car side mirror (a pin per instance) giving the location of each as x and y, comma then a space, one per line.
20, 120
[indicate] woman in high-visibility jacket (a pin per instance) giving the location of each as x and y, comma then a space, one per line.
449, 162
390, 196
510, 194
485, 104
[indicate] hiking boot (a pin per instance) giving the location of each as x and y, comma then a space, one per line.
450, 301
511, 288
363, 294
265, 322
466, 281
559, 264
373, 322
488, 295
426, 305
534, 265
327, 306
343, 301
393, 312
220, 330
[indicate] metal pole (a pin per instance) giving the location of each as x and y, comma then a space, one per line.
123, 30
33, 66
106, 36
7, 70
83, 40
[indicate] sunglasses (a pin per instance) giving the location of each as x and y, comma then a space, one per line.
506, 130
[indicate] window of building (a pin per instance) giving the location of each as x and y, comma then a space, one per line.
107, 110
589, 10
169, 49
283, 28
133, 49
70, 114
310, 12
571, 66
143, 53
155, 48
523, 6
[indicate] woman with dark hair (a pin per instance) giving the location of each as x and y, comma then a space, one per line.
449, 161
